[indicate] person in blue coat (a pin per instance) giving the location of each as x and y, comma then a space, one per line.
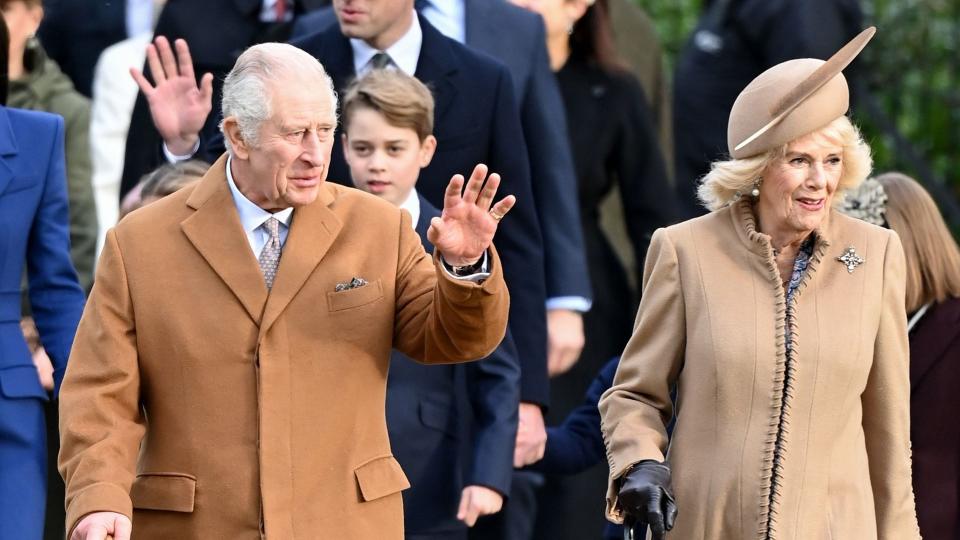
451, 427
34, 232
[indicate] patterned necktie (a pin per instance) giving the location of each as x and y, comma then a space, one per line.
280, 10
380, 60
270, 256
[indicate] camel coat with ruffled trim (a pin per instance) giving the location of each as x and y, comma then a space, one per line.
812, 448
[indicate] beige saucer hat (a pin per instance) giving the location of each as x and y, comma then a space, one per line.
790, 100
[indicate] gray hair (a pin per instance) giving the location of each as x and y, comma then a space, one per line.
247, 88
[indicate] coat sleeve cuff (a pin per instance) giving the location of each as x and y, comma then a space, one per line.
460, 289
101, 497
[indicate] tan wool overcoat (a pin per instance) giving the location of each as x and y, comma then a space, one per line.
814, 448
205, 407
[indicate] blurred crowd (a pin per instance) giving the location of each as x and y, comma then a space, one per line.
570, 100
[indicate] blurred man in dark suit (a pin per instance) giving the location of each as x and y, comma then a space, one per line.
218, 31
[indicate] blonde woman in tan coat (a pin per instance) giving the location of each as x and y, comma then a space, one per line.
780, 323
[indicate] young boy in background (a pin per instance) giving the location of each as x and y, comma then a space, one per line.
452, 428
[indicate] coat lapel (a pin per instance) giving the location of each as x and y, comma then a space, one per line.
215, 231
8, 147
337, 56
312, 232
435, 67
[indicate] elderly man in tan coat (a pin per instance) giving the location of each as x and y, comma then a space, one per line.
228, 376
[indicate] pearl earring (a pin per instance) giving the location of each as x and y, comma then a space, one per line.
756, 187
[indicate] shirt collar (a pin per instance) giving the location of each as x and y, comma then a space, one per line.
412, 205
447, 16
251, 215
405, 53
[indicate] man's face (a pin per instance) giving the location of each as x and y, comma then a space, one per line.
384, 160
288, 164
378, 22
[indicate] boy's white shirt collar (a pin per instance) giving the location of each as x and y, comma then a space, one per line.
412, 206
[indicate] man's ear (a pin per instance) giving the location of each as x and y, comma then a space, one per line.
427, 148
231, 131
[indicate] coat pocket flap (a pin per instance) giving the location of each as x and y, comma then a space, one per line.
380, 477
173, 492
359, 296
438, 415
21, 382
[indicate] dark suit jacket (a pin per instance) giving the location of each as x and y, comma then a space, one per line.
476, 121
517, 38
237, 26
577, 444
33, 218
427, 422
75, 32
935, 432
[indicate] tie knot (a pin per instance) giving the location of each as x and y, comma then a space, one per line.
380, 60
272, 226
419, 5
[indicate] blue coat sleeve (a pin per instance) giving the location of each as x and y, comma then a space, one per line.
520, 243
55, 295
553, 178
577, 444
493, 387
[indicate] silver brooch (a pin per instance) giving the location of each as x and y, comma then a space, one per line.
851, 260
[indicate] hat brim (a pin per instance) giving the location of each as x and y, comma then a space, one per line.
823, 74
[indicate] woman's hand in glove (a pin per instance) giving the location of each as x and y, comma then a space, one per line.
646, 496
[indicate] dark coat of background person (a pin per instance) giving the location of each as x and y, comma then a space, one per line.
615, 147
44, 87
735, 41
429, 420
637, 42
476, 121
217, 32
576, 444
75, 32
935, 438
516, 37
33, 214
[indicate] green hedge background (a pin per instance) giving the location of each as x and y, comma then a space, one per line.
913, 76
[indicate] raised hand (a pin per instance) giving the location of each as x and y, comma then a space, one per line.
178, 106
466, 227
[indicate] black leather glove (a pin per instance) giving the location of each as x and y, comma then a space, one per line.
646, 496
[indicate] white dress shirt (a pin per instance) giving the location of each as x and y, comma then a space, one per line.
404, 54
139, 17
447, 16
412, 205
252, 217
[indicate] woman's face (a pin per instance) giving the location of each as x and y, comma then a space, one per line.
22, 21
797, 190
558, 15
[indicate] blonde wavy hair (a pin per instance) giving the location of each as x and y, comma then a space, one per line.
728, 180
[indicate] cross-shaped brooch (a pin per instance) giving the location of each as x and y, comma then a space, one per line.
850, 259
